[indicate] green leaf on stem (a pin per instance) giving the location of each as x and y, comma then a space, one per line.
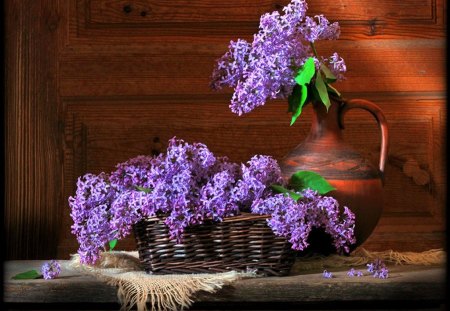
322, 90
32, 274
333, 90
302, 180
329, 76
280, 189
112, 244
294, 98
306, 73
299, 108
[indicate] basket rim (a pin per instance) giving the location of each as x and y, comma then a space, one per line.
243, 216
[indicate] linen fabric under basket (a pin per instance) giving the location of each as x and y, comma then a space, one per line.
239, 243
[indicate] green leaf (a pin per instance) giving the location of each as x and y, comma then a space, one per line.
298, 111
112, 244
329, 76
32, 274
294, 98
146, 190
280, 189
315, 97
302, 180
322, 89
306, 73
333, 90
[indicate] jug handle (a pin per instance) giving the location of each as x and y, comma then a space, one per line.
381, 120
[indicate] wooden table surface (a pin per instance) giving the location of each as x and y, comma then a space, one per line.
408, 287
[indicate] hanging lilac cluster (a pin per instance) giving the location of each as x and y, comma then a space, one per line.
91, 214
265, 68
295, 220
187, 185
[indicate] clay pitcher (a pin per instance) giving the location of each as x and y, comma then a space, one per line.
358, 183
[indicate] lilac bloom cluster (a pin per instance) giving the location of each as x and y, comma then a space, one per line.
378, 269
256, 177
265, 69
50, 270
130, 179
295, 219
189, 184
90, 212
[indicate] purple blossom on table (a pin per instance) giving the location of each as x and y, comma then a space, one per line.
352, 273
327, 275
266, 68
378, 269
51, 269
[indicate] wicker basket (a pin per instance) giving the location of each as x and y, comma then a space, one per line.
238, 243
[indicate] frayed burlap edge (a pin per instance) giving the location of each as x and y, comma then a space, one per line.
159, 292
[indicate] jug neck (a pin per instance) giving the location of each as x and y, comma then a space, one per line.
325, 124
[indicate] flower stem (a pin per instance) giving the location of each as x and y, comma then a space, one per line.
314, 50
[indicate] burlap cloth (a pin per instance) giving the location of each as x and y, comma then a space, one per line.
176, 291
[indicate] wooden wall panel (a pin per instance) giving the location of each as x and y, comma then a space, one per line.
33, 135
91, 83
398, 67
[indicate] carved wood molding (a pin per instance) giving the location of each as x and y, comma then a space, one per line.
129, 20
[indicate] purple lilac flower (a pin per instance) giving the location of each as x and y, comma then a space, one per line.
324, 212
257, 175
90, 213
51, 270
127, 209
132, 173
295, 220
217, 197
378, 269
287, 219
265, 68
352, 273
321, 29
337, 66
232, 65
327, 275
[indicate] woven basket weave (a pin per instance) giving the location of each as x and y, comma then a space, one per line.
238, 243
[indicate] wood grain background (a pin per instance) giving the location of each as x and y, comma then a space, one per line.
91, 83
